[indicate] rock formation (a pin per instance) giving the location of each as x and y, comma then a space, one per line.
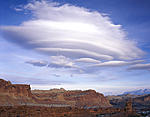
78, 98
14, 89
86, 99
128, 107
17, 100
14, 94
140, 104
21, 94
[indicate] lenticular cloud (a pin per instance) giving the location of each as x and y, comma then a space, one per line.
71, 31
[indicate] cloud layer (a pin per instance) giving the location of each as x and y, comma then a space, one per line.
140, 67
37, 63
73, 32
61, 62
117, 63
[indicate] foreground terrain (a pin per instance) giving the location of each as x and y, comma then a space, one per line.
17, 100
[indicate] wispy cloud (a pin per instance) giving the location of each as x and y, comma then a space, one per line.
87, 60
54, 62
31, 80
116, 63
39, 63
140, 67
61, 62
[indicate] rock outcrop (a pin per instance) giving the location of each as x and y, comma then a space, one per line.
128, 107
142, 99
78, 98
14, 89
86, 99
20, 94
14, 94
139, 102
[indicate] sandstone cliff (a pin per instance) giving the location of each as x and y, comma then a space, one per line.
20, 94
15, 89
78, 98
140, 102
14, 94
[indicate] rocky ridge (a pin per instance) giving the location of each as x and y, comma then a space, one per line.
21, 94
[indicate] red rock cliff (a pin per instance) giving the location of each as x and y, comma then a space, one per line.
81, 99
21, 94
15, 89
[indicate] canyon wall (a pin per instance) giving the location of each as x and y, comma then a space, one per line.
77, 98
21, 94
14, 94
14, 89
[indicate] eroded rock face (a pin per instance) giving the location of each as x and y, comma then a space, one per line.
78, 98
142, 101
128, 107
15, 89
86, 99
14, 94
147, 98
139, 102
21, 94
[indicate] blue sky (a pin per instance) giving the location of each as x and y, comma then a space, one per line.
76, 44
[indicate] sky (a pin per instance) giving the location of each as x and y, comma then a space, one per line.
76, 44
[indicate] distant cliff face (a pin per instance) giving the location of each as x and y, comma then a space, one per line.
21, 94
14, 89
138, 101
143, 100
78, 98
86, 99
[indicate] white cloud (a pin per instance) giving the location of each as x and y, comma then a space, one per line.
39, 63
140, 67
116, 63
73, 32
61, 62
54, 62
87, 60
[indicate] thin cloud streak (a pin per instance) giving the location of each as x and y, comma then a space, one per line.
116, 63
140, 67
37, 63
